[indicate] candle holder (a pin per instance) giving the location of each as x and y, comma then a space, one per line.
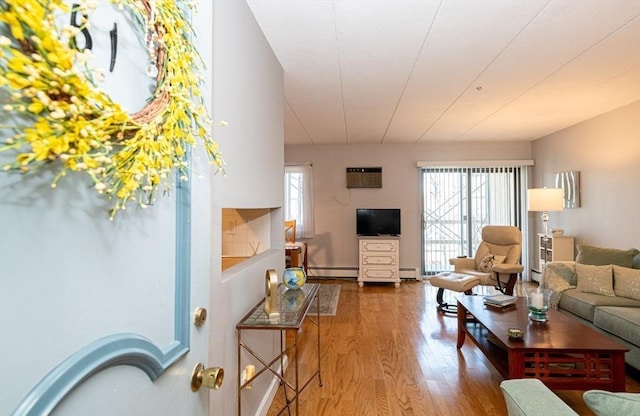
538, 301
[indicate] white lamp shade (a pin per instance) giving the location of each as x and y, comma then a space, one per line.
544, 199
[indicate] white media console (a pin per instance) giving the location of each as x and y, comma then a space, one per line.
379, 259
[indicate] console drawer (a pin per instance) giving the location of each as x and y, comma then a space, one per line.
385, 246
379, 259
383, 273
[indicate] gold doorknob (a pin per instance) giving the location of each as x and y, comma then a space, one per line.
211, 377
199, 316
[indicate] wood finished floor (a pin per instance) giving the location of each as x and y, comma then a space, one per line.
389, 352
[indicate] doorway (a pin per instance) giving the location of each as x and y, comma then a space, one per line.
458, 202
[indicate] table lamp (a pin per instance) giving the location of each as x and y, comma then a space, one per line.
545, 200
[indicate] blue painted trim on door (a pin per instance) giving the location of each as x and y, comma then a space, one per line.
126, 348
183, 262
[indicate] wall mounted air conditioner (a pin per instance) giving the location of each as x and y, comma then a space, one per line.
364, 177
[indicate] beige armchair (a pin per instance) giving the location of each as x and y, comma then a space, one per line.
496, 263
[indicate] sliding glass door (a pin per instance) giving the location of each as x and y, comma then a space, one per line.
458, 202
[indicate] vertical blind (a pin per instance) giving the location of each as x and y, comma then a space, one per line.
459, 201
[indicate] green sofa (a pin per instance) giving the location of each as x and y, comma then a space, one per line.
530, 397
601, 288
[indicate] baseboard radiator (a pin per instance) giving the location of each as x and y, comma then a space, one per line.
406, 273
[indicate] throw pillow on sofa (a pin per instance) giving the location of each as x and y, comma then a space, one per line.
555, 278
626, 282
606, 403
599, 256
595, 279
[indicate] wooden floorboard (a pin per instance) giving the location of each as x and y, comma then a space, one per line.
389, 351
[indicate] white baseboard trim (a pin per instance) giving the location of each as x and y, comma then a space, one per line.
348, 272
270, 394
411, 273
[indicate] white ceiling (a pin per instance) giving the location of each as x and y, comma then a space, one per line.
411, 71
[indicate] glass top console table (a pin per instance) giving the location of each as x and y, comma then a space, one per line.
293, 306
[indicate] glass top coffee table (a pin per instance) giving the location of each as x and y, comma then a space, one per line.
562, 352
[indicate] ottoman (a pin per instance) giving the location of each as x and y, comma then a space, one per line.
458, 282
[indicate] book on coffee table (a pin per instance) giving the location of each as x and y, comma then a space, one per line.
500, 300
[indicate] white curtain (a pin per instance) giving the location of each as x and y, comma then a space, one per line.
299, 198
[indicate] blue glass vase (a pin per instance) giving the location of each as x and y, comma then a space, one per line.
294, 277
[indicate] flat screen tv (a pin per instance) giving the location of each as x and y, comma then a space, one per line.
377, 221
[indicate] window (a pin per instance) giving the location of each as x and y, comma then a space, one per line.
298, 198
458, 202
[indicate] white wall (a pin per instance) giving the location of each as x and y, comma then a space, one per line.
335, 244
606, 151
248, 93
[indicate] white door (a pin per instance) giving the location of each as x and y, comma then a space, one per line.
96, 316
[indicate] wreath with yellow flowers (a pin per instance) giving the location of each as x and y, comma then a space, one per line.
67, 119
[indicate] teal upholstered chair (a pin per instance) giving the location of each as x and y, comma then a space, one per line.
530, 397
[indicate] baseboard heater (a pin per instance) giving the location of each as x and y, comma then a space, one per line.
406, 273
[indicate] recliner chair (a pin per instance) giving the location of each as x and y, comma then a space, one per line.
496, 263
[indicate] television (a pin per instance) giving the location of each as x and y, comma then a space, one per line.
377, 221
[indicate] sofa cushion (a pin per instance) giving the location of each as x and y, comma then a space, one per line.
599, 256
583, 304
563, 269
623, 322
595, 279
626, 282
606, 403
557, 279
